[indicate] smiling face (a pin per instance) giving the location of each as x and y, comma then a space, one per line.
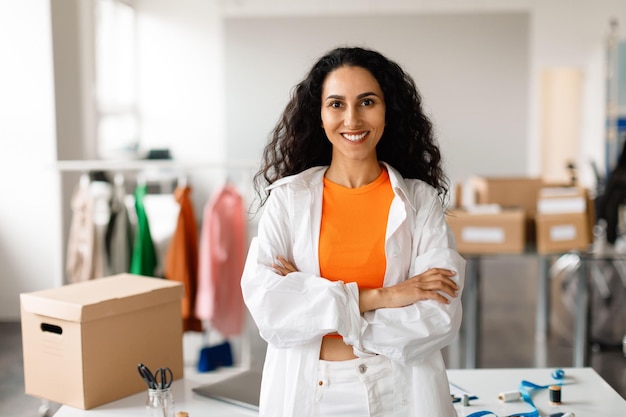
353, 114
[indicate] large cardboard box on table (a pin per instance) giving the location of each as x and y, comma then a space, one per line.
484, 233
82, 342
557, 233
510, 192
564, 220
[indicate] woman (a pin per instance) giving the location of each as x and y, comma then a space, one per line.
353, 279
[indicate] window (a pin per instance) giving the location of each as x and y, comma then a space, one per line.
117, 130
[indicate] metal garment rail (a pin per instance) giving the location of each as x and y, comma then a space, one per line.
139, 164
245, 169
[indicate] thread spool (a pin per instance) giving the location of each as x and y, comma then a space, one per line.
555, 395
509, 396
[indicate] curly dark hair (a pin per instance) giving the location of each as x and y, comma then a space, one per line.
298, 142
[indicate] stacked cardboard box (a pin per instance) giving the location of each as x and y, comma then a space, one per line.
530, 212
564, 219
496, 232
506, 230
508, 192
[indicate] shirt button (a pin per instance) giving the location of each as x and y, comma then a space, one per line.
362, 368
320, 383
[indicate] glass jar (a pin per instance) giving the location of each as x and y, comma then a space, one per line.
160, 403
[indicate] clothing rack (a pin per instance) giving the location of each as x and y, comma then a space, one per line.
137, 165
245, 168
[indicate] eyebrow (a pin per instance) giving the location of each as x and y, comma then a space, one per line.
360, 96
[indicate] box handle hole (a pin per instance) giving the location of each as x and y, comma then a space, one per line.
45, 327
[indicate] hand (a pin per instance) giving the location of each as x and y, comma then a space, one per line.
283, 266
426, 286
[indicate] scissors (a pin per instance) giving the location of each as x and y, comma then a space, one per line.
147, 376
163, 378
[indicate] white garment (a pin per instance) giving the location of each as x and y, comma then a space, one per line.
294, 312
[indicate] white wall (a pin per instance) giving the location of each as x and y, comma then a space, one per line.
562, 33
30, 256
471, 69
573, 34
179, 45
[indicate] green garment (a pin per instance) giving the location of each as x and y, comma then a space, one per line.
144, 260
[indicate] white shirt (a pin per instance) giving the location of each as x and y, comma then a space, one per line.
294, 312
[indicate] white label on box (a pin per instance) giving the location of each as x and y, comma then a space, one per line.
484, 209
562, 232
559, 192
562, 205
482, 234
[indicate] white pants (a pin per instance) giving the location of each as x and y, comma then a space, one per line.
361, 387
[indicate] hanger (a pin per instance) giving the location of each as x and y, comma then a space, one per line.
182, 180
118, 180
141, 180
84, 179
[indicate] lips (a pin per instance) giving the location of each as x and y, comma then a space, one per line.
354, 137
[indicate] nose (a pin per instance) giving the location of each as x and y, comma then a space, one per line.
351, 118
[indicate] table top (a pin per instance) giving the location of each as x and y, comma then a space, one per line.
184, 400
584, 393
531, 251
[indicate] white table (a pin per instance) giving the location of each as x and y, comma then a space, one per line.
586, 394
184, 400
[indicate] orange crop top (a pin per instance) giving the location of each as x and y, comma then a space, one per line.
352, 234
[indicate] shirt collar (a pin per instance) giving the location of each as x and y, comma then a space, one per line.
309, 177
314, 176
399, 185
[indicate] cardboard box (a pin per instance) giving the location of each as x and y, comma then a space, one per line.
564, 220
558, 200
557, 233
502, 232
82, 342
508, 192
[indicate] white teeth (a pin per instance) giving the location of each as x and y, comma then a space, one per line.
354, 138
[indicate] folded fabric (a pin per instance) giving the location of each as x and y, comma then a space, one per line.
212, 357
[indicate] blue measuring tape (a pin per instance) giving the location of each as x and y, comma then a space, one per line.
526, 389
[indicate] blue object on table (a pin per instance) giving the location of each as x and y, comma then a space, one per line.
526, 389
212, 357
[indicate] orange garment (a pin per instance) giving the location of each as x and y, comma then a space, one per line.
181, 263
352, 234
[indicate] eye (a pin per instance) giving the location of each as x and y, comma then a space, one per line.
367, 102
335, 104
